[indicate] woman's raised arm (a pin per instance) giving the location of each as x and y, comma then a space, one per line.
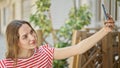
86, 44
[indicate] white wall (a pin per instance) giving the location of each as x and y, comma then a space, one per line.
59, 13
60, 10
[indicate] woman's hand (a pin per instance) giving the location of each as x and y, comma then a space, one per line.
109, 24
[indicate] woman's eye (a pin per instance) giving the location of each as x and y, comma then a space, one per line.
25, 36
31, 32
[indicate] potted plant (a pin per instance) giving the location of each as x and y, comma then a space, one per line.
78, 18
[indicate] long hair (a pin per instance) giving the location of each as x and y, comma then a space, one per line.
12, 38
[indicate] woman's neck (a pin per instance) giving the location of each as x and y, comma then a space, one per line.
24, 54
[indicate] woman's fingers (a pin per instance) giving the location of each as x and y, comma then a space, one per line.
109, 25
109, 22
109, 16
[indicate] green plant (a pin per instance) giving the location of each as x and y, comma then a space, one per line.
40, 18
118, 0
78, 18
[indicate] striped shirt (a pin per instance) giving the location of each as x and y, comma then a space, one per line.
42, 58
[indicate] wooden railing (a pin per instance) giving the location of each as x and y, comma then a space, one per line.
105, 54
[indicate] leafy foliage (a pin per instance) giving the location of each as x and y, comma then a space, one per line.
60, 64
118, 0
78, 18
40, 18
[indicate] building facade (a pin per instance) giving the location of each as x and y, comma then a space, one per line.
21, 9
13, 9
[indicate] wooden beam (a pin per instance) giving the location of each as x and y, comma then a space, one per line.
107, 50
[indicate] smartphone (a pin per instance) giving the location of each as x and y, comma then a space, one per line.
104, 10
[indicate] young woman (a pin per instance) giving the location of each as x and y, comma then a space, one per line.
23, 50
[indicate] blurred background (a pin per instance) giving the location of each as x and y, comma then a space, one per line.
59, 12
21, 9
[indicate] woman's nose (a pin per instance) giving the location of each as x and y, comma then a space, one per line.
31, 37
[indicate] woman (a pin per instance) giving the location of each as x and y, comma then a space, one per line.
23, 50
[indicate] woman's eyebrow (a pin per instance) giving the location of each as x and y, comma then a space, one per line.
24, 34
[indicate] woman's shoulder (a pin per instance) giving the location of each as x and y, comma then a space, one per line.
3, 60
44, 48
2, 63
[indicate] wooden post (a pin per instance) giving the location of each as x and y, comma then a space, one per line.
107, 50
77, 37
77, 57
119, 49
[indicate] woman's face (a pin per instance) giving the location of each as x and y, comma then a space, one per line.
27, 37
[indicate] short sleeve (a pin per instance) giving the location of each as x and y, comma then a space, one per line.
48, 51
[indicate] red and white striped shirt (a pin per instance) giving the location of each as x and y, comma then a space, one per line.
42, 58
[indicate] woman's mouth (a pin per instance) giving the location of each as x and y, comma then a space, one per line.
33, 42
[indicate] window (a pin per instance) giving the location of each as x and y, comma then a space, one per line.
118, 10
26, 5
5, 15
98, 10
13, 11
0, 22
